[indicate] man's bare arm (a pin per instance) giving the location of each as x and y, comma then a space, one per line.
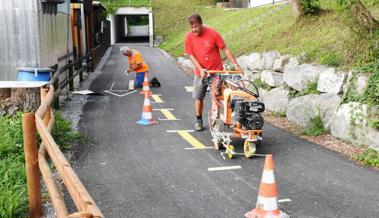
197, 65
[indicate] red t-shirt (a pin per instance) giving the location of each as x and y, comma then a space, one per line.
205, 48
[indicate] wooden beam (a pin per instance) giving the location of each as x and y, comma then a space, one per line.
31, 164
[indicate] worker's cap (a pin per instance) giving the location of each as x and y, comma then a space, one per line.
124, 49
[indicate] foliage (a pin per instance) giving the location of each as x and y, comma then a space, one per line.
11, 141
369, 157
260, 84
371, 95
310, 6
330, 59
13, 192
316, 127
279, 114
63, 134
110, 9
310, 89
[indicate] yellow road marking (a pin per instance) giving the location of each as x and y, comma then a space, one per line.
157, 99
192, 140
168, 114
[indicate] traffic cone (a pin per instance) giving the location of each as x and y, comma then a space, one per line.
267, 203
147, 115
146, 84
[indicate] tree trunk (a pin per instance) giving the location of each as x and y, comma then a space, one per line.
297, 8
363, 16
19, 99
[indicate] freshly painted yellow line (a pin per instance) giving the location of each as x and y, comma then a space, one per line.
189, 130
192, 140
157, 99
168, 114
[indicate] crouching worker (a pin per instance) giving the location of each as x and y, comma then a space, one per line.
136, 64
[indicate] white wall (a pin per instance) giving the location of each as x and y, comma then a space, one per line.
256, 3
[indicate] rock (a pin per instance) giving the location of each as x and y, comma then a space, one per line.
262, 93
348, 122
293, 61
298, 77
331, 82
269, 58
243, 61
347, 83
271, 78
255, 62
300, 110
251, 75
276, 100
186, 63
280, 63
362, 82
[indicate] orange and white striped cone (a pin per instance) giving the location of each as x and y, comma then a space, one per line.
146, 84
267, 203
147, 114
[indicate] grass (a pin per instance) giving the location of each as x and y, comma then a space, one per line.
369, 157
13, 191
310, 89
325, 38
316, 127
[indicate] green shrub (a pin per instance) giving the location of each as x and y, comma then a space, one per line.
13, 192
310, 89
317, 126
63, 134
260, 84
369, 157
11, 141
310, 6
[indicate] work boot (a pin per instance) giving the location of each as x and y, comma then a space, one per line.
199, 125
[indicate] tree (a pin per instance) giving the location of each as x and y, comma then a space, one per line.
360, 13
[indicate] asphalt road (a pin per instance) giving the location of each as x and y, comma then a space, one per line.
145, 171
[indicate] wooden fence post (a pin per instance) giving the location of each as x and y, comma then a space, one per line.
56, 87
71, 78
31, 164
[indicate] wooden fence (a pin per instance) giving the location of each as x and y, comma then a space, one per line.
42, 122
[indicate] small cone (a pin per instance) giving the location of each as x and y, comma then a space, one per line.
267, 203
146, 84
147, 115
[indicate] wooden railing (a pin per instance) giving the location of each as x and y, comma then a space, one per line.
36, 162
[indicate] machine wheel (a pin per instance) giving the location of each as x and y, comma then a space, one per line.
249, 149
230, 152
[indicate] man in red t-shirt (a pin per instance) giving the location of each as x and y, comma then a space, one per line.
203, 46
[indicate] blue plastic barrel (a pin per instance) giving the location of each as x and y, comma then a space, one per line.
33, 74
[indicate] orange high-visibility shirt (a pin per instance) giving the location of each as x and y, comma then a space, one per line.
136, 58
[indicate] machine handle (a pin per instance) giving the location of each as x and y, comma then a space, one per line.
224, 71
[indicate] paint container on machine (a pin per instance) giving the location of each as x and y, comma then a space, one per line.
33, 74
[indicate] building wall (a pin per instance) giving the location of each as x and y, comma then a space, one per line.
30, 38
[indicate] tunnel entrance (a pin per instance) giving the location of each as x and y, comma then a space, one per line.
132, 25
132, 28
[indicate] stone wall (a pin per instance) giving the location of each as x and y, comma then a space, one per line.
285, 74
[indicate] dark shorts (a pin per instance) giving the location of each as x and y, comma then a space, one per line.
139, 79
200, 86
